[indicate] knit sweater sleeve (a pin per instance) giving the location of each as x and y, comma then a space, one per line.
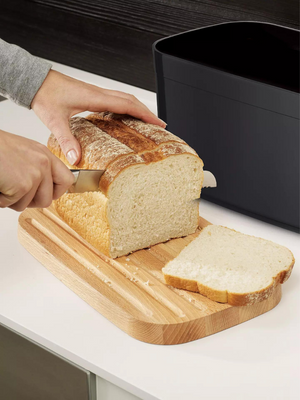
21, 74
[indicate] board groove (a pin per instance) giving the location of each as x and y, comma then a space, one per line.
130, 291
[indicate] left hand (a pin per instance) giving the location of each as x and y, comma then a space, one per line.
60, 97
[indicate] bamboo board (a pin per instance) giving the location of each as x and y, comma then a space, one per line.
130, 291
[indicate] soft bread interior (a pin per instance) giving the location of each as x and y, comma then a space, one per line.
226, 260
148, 204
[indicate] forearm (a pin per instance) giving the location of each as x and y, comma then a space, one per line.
21, 74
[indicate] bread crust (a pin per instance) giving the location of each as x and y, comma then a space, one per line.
123, 133
92, 140
116, 142
223, 296
136, 131
115, 168
163, 151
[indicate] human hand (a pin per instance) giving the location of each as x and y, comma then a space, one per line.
30, 175
60, 97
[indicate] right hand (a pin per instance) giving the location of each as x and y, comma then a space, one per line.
30, 175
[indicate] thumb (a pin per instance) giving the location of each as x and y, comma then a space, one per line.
68, 143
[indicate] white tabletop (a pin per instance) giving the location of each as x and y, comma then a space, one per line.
259, 359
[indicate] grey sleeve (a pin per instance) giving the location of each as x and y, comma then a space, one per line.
21, 74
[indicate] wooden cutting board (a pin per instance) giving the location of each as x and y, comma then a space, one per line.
130, 291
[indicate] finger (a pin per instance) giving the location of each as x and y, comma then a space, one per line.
136, 101
124, 96
121, 105
44, 194
62, 177
24, 201
68, 143
7, 201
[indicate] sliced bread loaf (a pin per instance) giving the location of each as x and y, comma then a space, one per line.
150, 189
230, 267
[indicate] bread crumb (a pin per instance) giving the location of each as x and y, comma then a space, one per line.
146, 283
127, 259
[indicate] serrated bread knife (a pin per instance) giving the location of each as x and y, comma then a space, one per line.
87, 180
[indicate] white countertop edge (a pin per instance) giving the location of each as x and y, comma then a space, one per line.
71, 357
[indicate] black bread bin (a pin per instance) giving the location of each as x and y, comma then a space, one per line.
231, 91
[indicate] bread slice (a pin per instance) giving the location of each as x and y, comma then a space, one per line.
230, 267
149, 192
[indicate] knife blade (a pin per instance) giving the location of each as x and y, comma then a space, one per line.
87, 180
209, 180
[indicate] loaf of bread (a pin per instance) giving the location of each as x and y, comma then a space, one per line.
148, 193
230, 267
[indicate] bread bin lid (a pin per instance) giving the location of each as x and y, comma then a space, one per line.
252, 62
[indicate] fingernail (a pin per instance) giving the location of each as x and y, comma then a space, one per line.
163, 121
72, 157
